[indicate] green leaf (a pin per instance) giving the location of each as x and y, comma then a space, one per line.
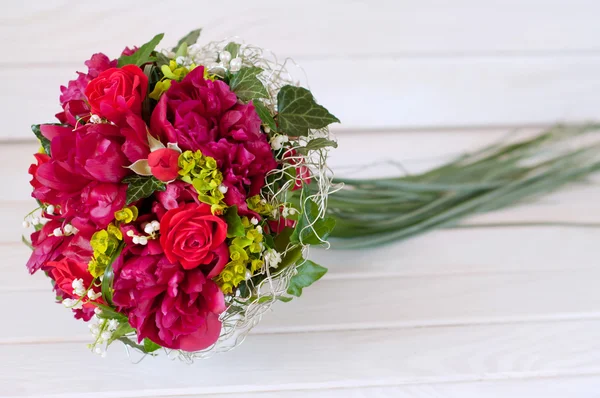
308, 273
189, 39
269, 242
233, 48
291, 257
150, 346
315, 144
45, 142
246, 84
234, 223
140, 187
123, 329
283, 239
110, 313
321, 227
182, 50
142, 55
161, 60
26, 242
299, 112
107, 284
265, 115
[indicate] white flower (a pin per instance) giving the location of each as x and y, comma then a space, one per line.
113, 324
57, 232
78, 288
35, 220
180, 60
148, 228
93, 295
155, 225
50, 209
106, 335
68, 229
26, 224
97, 311
278, 141
272, 258
143, 240
223, 189
225, 57
95, 119
254, 221
259, 229
130, 233
74, 304
235, 65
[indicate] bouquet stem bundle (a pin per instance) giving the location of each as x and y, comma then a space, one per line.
371, 212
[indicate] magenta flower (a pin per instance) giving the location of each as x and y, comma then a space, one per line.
173, 307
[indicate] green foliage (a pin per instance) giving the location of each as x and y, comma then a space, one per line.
189, 39
143, 54
315, 144
44, 142
140, 187
321, 227
307, 274
109, 313
150, 346
234, 223
233, 48
246, 85
298, 111
265, 115
107, 284
373, 212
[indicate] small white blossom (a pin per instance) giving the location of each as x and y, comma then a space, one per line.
78, 287
93, 295
235, 65
278, 141
259, 229
136, 240
254, 221
57, 232
74, 304
143, 240
180, 60
35, 220
95, 119
272, 258
106, 335
130, 233
155, 225
97, 311
148, 228
50, 209
26, 224
223, 189
68, 229
225, 57
113, 324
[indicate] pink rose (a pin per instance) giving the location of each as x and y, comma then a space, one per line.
117, 91
164, 164
192, 236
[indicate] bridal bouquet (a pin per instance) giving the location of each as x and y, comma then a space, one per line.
173, 199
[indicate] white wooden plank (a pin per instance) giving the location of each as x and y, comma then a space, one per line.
313, 361
388, 93
308, 28
581, 387
365, 303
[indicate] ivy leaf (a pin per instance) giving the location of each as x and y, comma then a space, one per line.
45, 142
321, 227
140, 187
308, 273
265, 115
233, 48
189, 39
246, 84
150, 346
143, 54
234, 223
315, 144
299, 112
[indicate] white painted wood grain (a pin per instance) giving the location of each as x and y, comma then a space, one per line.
364, 303
69, 31
388, 93
581, 387
314, 361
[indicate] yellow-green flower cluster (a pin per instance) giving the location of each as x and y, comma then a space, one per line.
259, 205
170, 72
106, 242
202, 172
245, 254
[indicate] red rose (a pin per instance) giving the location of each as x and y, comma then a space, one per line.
64, 272
164, 164
192, 236
116, 91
